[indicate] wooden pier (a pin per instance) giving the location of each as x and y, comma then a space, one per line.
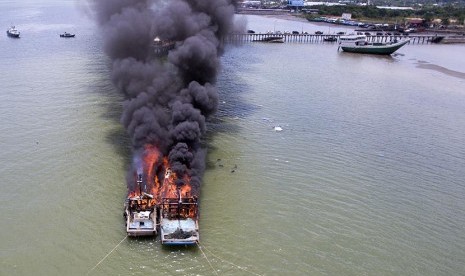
320, 38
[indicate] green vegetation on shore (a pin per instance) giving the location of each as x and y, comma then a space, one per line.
413, 3
372, 13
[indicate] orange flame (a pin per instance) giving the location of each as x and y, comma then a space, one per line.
186, 188
169, 188
151, 161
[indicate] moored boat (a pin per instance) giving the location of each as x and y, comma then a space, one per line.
65, 34
179, 221
271, 39
178, 214
436, 39
140, 213
13, 32
330, 39
359, 44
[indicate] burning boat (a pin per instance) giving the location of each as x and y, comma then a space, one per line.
178, 214
168, 206
140, 213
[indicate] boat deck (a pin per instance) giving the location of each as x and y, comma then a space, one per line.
144, 222
179, 231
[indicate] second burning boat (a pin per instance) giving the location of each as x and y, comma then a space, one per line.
178, 214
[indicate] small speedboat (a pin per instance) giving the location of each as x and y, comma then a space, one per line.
271, 39
65, 34
330, 39
12, 32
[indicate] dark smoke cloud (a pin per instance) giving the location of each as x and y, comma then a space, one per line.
167, 102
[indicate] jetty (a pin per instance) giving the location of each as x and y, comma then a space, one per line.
323, 38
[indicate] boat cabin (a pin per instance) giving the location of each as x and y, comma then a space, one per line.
140, 216
353, 40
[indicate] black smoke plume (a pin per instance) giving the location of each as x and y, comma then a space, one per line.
167, 100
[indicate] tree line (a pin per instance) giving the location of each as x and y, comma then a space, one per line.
445, 13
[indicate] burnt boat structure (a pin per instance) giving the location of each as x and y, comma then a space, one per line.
140, 213
175, 216
179, 221
178, 213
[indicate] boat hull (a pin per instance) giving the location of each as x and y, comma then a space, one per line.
382, 49
14, 35
141, 233
330, 39
270, 39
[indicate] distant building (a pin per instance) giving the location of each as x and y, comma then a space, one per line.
295, 3
251, 4
395, 8
308, 10
308, 4
347, 16
415, 22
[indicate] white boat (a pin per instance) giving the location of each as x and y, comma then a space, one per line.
360, 44
12, 32
140, 213
65, 34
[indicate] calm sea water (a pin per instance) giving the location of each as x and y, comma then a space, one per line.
366, 177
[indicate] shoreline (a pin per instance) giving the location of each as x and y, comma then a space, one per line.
284, 16
296, 18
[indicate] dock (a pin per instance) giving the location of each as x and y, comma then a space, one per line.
320, 38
